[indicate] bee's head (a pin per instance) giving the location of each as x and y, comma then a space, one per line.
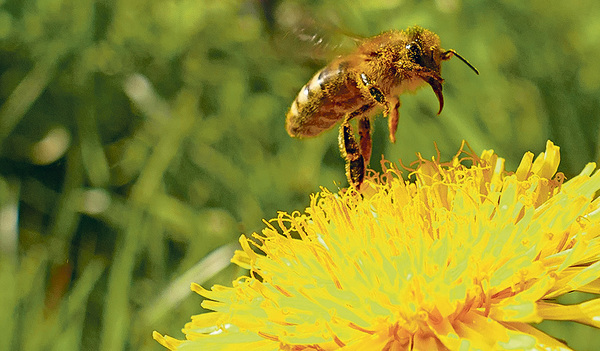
423, 50
425, 55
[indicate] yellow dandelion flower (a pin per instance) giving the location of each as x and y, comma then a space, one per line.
464, 257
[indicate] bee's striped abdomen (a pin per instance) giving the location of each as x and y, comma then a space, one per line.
324, 100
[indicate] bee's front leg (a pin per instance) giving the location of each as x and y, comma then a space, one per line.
391, 104
374, 91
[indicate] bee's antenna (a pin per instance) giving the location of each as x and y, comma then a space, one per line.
449, 53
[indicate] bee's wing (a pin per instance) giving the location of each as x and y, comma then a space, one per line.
300, 35
320, 46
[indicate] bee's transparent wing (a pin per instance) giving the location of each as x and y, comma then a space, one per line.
302, 35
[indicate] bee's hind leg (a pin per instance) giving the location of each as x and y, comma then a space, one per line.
357, 154
355, 162
364, 130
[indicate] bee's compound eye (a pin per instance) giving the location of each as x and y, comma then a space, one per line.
415, 53
414, 49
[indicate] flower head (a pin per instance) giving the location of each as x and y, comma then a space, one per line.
463, 257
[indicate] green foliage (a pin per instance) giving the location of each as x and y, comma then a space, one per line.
138, 136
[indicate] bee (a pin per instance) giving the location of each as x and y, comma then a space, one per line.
357, 85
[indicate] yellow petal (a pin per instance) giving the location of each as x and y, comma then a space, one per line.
546, 164
544, 341
578, 277
587, 312
166, 341
592, 287
524, 168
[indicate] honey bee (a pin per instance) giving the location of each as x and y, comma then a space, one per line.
354, 86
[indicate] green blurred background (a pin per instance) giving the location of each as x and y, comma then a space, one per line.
140, 138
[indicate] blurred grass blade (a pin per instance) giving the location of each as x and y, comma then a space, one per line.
24, 95
92, 153
179, 289
9, 202
8, 301
74, 310
117, 311
68, 325
9, 218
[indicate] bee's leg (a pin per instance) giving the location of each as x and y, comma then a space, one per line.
364, 130
355, 163
374, 91
391, 105
356, 155
394, 105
